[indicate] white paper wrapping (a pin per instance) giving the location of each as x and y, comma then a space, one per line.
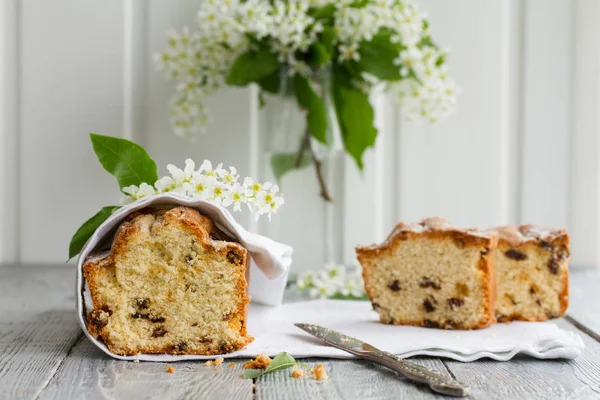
269, 260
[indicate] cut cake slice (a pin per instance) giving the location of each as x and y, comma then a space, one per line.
171, 283
432, 274
532, 273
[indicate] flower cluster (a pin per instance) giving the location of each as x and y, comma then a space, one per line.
217, 185
200, 60
426, 91
335, 281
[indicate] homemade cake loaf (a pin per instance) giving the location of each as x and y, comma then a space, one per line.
531, 273
431, 274
171, 283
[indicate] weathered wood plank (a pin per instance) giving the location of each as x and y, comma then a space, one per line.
528, 378
38, 327
36, 288
348, 380
89, 374
587, 366
584, 298
32, 346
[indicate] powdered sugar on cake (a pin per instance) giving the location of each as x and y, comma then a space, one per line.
517, 235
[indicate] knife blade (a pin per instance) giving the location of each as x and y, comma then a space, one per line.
437, 382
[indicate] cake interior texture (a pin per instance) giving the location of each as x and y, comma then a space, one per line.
532, 274
171, 283
434, 278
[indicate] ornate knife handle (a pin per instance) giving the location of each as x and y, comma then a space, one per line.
437, 383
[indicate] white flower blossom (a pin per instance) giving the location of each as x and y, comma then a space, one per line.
202, 186
182, 176
252, 188
333, 280
217, 193
134, 192
266, 200
165, 184
229, 177
234, 195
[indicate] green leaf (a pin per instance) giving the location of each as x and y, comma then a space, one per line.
88, 228
441, 59
328, 38
125, 160
360, 3
325, 13
253, 40
426, 42
304, 366
271, 83
252, 373
309, 99
281, 361
252, 66
355, 115
317, 55
282, 163
377, 57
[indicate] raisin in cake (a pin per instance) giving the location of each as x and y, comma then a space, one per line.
431, 274
171, 283
531, 273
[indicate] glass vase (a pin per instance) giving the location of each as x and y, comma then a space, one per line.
311, 221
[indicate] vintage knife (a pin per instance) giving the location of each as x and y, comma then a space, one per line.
437, 383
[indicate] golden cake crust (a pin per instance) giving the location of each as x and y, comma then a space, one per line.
438, 230
207, 235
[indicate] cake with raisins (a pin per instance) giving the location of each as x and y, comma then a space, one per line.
531, 273
432, 274
171, 283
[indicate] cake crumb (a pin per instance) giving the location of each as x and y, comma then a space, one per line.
253, 386
297, 372
214, 363
170, 369
217, 368
136, 361
319, 373
230, 365
262, 361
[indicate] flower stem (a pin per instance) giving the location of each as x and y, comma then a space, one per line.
303, 147
318, 169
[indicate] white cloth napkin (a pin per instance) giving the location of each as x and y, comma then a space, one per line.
274, 332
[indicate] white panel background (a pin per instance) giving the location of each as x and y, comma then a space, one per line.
523, 146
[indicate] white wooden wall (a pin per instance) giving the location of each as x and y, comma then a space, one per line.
524, 145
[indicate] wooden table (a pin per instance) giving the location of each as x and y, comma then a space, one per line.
43, 354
